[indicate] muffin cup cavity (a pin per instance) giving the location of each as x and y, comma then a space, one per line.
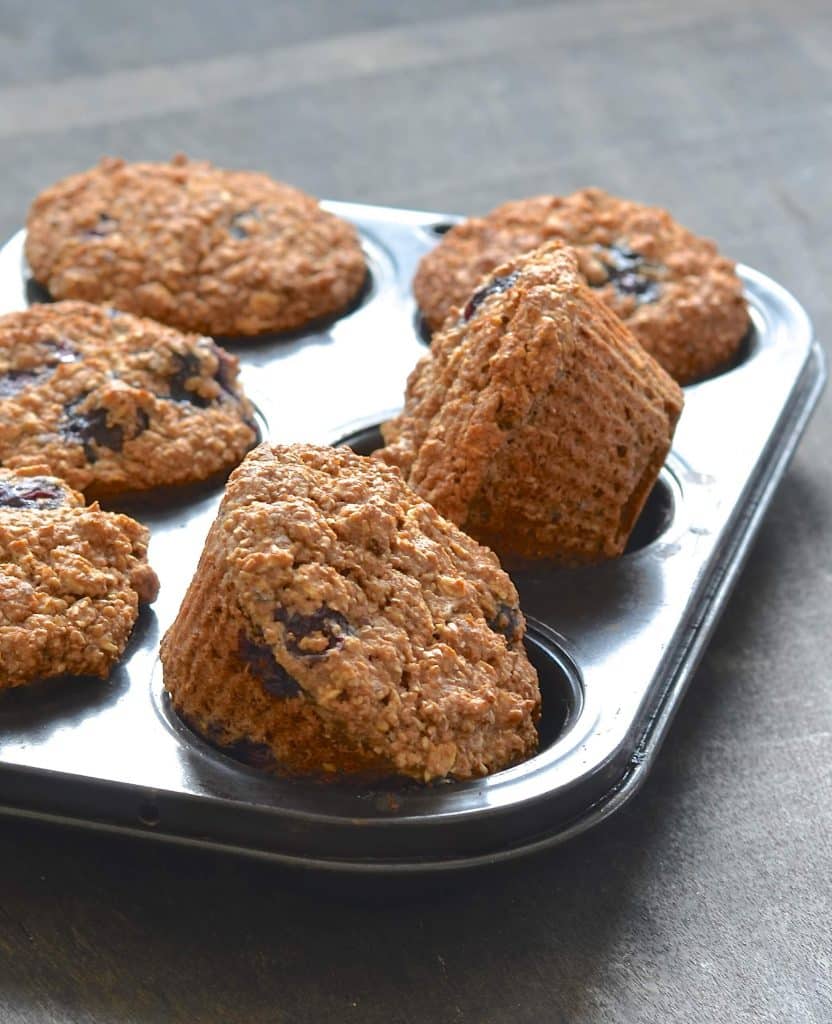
420, 326
561, 691
363, 440
656, 516
36, 293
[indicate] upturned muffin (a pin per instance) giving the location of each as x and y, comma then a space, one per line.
538, 424
194, 246
71, 580
112, 403
680, 298
337, 624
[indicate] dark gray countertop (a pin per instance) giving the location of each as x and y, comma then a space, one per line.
708, 897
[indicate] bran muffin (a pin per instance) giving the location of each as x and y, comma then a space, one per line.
71, 580
680, 298
537, 424
339, 624
112, 403
194, 246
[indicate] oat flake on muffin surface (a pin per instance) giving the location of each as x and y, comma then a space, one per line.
113, 402
338, 623
220, 252
681, 299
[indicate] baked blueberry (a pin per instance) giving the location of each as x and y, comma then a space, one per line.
494, 287
261, 660
92, 430
237, 228
30, 492
314, 635
103, 226
188, 367
14, 381
630, 273
508, 621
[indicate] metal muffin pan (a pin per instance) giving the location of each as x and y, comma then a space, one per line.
615, 645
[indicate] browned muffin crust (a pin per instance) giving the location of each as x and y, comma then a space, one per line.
203, 249
680, 298
71, 580
537, 424
338, 622
112, 403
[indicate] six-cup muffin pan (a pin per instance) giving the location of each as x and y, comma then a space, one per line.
615, 645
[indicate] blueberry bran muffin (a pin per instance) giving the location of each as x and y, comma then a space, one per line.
537, 424
202, 249
111, 402
680, 298
71, 580
337, 624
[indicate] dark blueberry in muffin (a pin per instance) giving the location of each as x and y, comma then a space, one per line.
257, 755
630, 273
274, 677
326, 623
36, 492
507, 622
18, 380
103, 227
188, 366
494, 287
92, 430
237, 227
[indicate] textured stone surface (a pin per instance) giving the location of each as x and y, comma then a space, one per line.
709, 897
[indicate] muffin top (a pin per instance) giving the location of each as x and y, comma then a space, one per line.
191, 245
680, 298
111, 402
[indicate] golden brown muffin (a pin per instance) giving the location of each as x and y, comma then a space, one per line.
338, 624
114, 403
191, 245
538, 424
680, 298
71, 580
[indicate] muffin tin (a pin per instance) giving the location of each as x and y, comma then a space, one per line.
615, 645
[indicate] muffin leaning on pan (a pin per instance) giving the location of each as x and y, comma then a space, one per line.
537, 424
